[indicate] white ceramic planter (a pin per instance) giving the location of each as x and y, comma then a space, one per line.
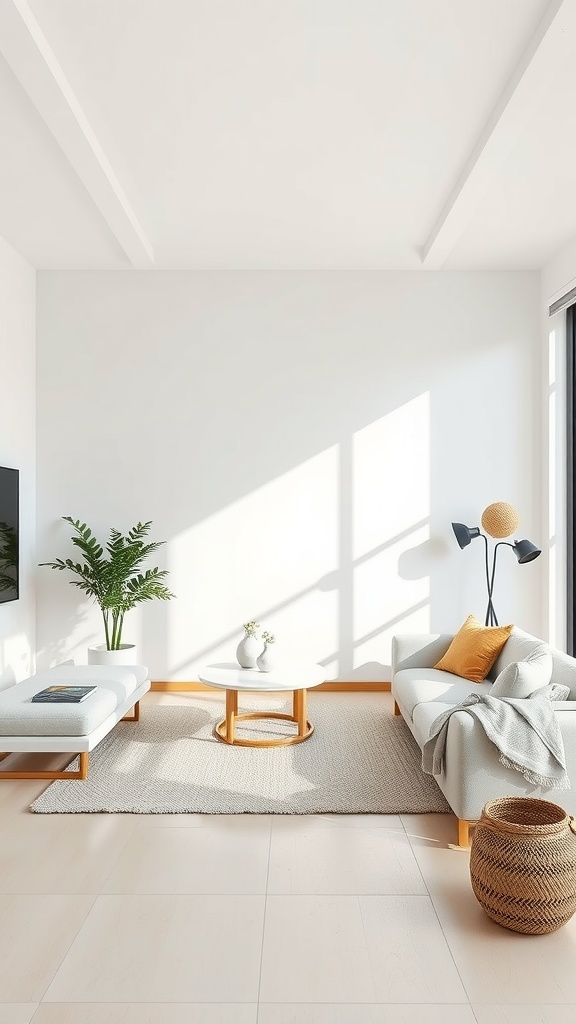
126, 654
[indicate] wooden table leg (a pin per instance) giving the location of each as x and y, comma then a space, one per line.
296, 705
299, 711
231, 711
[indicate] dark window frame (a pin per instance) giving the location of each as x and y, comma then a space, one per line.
570, 477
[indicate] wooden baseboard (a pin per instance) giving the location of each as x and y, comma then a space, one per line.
359, 687
354, 687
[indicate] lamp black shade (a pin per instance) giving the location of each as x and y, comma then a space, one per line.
525, 551
464, 534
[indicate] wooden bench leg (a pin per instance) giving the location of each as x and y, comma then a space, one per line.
135, 717
82, 772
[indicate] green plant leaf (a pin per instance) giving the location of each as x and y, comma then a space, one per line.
114, 574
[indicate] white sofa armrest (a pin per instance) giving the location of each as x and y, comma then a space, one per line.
418, 650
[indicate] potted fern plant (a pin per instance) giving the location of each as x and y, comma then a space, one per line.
114, 576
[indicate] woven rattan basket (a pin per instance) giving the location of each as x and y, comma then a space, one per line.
523, 864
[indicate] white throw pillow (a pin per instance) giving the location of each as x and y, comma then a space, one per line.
522, 678
518, 647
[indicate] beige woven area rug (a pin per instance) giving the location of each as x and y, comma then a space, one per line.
360, 759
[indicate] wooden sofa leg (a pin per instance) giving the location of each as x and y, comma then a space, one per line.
135, 717
83, 772
396, 709
464, 831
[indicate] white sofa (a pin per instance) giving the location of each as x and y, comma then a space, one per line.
472, 772
68, 728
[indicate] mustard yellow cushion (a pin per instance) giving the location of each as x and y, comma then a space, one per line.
474, 650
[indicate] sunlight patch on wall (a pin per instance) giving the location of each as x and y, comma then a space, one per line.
391, 475
386, 604
330, 556
15, 659
391, 509
271, 556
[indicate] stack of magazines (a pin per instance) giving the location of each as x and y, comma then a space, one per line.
62, 694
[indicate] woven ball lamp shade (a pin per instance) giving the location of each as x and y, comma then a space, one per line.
500, 519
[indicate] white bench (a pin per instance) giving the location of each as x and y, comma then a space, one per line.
68, 728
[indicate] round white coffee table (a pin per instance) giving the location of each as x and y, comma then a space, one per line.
296, 676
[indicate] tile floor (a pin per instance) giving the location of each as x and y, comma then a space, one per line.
189, 919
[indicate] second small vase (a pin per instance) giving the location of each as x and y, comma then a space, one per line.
266, 660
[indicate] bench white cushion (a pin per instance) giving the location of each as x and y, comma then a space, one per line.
20, 717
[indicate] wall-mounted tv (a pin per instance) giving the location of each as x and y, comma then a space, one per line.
9, 534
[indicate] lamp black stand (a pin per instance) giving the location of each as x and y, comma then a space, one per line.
491, 619
524, 550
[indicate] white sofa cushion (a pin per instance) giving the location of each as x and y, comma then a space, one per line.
521, 678
432, 685
20, 717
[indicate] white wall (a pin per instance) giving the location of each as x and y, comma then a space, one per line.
559, 273
18, 451
301, 440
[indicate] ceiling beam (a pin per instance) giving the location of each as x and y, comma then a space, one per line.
33, 62
552, 43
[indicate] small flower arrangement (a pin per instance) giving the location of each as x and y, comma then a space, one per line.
268, 638
251, 628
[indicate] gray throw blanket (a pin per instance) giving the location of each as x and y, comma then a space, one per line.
526, 733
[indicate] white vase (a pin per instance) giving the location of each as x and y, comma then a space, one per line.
125, 655
248, 650
266, 660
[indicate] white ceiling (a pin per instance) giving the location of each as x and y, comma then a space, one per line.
287, 133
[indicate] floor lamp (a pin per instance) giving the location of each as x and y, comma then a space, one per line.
499, 520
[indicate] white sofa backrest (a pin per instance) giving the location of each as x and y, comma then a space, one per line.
564, 670
418, 650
